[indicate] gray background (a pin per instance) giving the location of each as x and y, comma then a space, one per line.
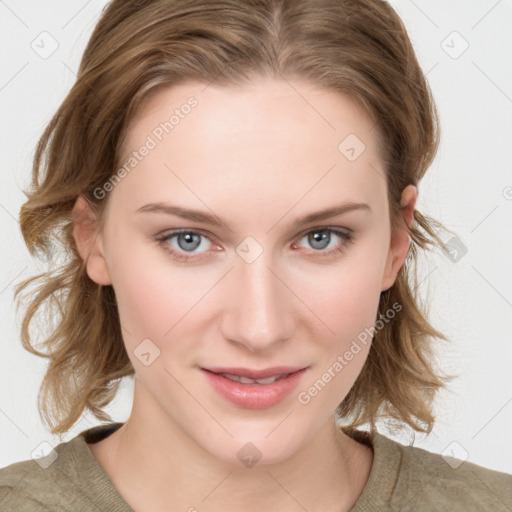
469, 188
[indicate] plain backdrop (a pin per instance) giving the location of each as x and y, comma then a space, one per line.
465, 48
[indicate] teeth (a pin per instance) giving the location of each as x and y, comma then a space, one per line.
268, 380
247, 380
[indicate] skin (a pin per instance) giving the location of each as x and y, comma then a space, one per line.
259, 157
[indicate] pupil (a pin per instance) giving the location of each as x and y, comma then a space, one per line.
319, 237
189, 238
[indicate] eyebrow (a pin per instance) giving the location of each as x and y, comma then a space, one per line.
213, 220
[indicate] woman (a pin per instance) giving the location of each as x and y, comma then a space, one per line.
284, 141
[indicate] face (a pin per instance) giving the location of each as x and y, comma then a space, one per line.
248, 284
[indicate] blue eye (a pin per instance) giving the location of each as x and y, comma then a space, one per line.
187, 241
320, 239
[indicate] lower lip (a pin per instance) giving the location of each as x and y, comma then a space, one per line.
254, 396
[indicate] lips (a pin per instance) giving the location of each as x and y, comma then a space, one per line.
247, 380
256, 374
254, 389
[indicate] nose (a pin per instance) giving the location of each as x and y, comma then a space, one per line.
258, 314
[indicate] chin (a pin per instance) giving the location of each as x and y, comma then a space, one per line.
252, 447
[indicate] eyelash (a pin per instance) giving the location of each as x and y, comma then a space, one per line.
346, 236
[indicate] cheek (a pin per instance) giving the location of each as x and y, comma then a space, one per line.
151, 298
348, 304
346, 297
159, 301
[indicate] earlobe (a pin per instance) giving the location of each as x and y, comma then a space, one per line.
89, 242
400, 240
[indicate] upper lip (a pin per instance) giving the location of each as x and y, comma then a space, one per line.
257, 374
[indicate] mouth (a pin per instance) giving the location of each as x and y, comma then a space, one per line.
247, 380
250, 376
254, 389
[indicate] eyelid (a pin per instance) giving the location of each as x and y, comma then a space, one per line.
211, 237
175, 232
326, 228
345, 234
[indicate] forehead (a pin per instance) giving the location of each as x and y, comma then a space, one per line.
264, 106
277, 139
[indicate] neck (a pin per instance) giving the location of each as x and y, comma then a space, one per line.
156, 466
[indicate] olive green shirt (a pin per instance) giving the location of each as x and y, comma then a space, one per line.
402, 478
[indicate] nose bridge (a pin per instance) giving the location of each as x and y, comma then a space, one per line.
258, 312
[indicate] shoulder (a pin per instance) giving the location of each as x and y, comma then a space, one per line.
68, 478
27, 486
430, 481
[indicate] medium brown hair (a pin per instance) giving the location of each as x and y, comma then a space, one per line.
359, 48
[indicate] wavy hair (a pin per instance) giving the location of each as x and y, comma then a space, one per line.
359, 48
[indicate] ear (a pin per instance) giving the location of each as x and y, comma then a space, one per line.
89, 241
399, 245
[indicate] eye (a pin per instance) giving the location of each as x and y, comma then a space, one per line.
186, 243
322, 238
